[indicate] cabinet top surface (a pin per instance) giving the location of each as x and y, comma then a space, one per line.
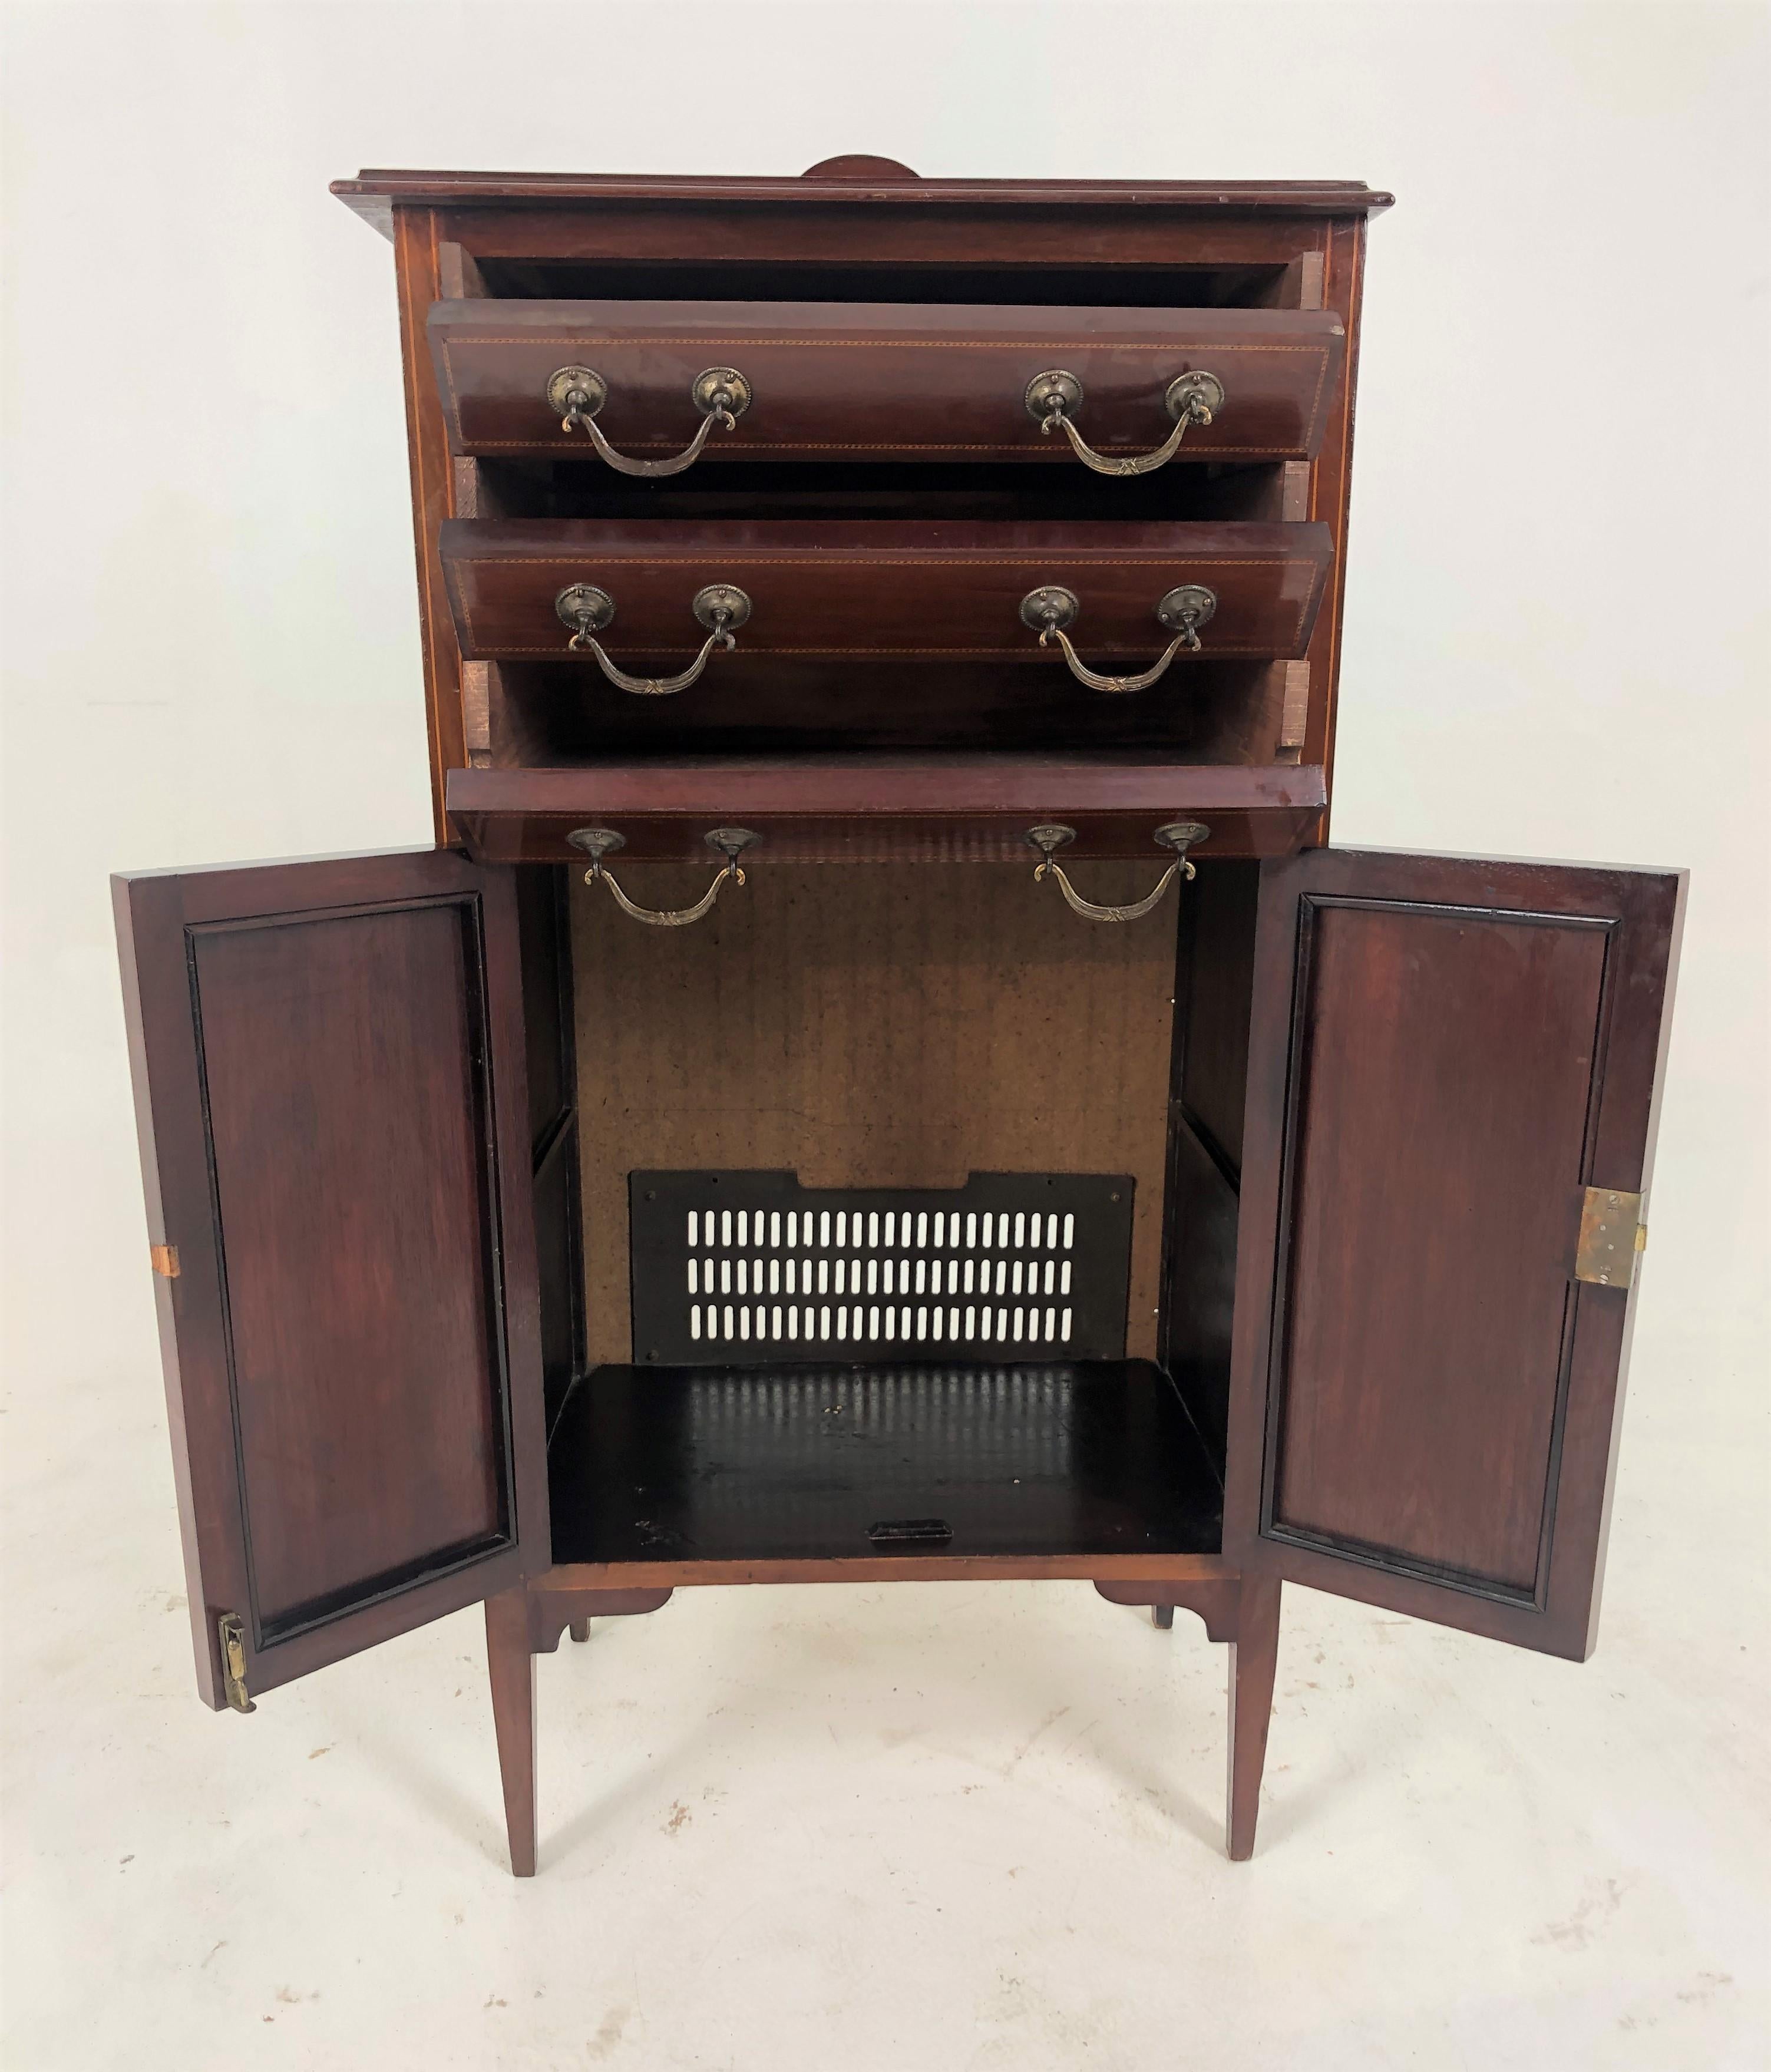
852, 181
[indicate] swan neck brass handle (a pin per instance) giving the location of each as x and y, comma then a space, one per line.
1052, 608
575, 394
598, 842
1056, 396
721, 608
1179, 835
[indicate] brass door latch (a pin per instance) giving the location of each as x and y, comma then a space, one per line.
230, 1630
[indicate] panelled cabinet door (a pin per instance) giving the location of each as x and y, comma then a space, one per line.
328, 1060
1453, 1073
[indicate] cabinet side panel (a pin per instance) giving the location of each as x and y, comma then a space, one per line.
1213, 978
545, 919
1216, 984
1331, 484
417, 274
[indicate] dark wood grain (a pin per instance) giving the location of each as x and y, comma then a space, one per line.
329, 1073
895, 588
1215, 988
1254, 1662
417, 278
873, 382
1331, 489
1214, 1601
1082, 1459
1224, 252
1208, 1083
879, 809
549, 1025
1445, 1053
376, 192
553, 1612
677, 1573
511, 1666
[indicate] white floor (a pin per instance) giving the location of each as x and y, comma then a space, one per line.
911, 1829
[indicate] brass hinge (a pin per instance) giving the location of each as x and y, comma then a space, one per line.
233, 1662
1611, 1233
164, 1260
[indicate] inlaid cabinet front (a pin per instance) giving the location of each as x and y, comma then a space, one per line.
880, 1078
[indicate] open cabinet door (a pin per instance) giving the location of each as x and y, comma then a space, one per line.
328, 1059
1452, 1085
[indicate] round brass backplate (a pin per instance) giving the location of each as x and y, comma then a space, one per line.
708, 383
564, 383
731, 842
1051, 605
1190, 603
1049, 836
1183, 835
1056, 388
598, 842
1195, 392
582, 605
721, 602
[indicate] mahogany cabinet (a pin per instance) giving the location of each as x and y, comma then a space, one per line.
880, 1076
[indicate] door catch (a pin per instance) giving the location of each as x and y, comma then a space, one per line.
232, 1633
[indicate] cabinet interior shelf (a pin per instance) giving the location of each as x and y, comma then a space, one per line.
807, 1462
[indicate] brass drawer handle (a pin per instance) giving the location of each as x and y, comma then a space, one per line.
1050, 609
598, 842
721, 608
721, 395
1178, 835
1190, 399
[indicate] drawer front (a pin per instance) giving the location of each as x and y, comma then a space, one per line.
884, 809
859, 589
884, 381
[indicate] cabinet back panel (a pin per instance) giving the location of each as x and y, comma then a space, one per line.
870, 1028
359, 1305
1413, 1203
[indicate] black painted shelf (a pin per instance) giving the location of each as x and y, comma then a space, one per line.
805, 1463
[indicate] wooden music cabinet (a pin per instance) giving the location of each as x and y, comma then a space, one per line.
1017, 1146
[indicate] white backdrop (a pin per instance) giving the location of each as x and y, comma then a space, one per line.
1555, 631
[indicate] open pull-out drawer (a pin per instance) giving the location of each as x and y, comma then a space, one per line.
1118, 603
645, 381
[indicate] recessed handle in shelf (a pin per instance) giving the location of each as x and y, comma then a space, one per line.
1054, 397
910, 1532
721, 608
721, 395
1052, 608
598, 842
1178, 835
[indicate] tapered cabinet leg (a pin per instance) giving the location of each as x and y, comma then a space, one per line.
580, 1628
513, 1716
1254, 1656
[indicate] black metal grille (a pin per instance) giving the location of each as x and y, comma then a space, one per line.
750, 1269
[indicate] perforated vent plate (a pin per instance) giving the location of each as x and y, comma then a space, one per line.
750, 1269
